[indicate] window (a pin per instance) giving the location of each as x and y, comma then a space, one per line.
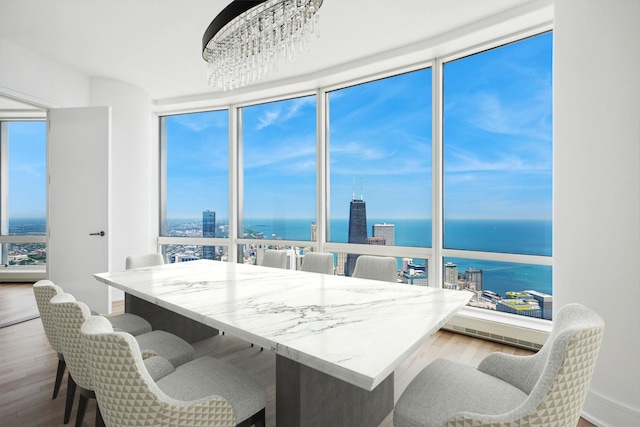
196, 183
279, 169
23, 193
498, 172
380, 163
380, 188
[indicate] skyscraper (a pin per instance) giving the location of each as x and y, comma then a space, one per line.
357, 231
386, 231
208, 230
450, 276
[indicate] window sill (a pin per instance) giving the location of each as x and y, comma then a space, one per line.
519, 331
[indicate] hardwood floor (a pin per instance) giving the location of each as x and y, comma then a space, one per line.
28, 366
17, 303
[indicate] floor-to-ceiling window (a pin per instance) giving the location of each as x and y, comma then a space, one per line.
278, 192
23, 196
497, 171
375, 156
379, 139
195, 183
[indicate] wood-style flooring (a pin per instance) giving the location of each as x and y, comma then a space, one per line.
28, 366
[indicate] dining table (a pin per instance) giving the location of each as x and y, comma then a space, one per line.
337, 339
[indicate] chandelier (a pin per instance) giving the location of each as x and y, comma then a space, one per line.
249, 40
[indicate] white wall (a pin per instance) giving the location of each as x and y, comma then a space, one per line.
134, 153
597, 189
39, 80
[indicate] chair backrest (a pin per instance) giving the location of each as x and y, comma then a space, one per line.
377, 268
126, 393
318, 262
69, 316
274, 258
558, 376
147, 260
43, 291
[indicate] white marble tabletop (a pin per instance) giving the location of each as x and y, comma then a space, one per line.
353, 329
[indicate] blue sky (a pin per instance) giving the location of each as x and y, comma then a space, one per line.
497, 145
27, 170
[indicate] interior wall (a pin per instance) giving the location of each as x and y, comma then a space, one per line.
39, 80
597, 189
132, 156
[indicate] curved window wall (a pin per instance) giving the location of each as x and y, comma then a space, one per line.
445, 166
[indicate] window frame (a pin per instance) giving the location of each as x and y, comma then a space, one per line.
434, 255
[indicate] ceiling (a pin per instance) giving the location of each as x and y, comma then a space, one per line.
156, 44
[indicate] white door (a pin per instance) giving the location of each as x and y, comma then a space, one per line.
78, 202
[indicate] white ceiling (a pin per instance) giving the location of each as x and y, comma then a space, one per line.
156, 44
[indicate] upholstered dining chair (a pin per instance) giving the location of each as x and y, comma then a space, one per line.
382, 268
274, 258
43, 291
545, 389
69, 315
146, 260
204, 392
317, 262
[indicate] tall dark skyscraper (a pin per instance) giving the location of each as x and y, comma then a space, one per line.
208, 230
357, 231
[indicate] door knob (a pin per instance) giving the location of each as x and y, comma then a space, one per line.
100, 233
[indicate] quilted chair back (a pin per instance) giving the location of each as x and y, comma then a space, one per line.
557, 377
44, 290
126, 393
376, 268
69, 316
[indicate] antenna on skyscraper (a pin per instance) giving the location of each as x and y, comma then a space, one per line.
353, 189
361, 188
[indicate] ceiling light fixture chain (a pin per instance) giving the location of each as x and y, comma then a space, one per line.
249, 40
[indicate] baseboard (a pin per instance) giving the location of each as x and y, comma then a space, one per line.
604, 412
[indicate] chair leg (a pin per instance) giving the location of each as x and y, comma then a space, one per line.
99, 420
59, 374
82, 409
71, 393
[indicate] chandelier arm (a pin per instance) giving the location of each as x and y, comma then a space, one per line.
233, 10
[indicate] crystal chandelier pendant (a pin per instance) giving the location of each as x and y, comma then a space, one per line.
249, 40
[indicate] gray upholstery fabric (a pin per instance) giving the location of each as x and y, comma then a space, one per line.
274, 258
127, 394
376, 268
158, 367
207, 376
554, 382
318, 262
127, 322
147, 260
445, 388
173, 348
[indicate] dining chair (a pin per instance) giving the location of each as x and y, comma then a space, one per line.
274, 258
317, 262
203, 392
376, 268
545, 389
43, 291
146, 260
69, 315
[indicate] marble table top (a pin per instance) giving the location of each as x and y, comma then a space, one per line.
356, 330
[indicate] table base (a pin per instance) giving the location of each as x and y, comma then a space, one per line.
167, 320
306, 397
